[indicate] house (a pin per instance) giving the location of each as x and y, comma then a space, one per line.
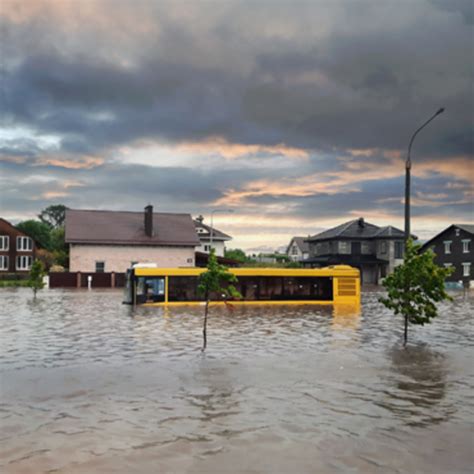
204, 235
376, 251
298, 249
453, 248
17, 250
111, 241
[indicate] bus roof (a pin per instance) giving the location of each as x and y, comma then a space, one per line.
336, 270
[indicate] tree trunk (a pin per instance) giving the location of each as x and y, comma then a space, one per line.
34, 293
204, 328
405, 334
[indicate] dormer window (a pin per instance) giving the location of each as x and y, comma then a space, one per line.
201, 230
24, 244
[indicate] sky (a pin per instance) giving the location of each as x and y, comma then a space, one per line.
295, 115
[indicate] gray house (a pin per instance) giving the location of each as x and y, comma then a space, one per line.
374, 250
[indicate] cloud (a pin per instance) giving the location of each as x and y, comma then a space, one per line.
295, 115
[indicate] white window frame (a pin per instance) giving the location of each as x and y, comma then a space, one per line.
466, 269
4, 261
383, 247
103, 263
4, 242
466, 245
447, 265
24, 262
21, 240
447, 246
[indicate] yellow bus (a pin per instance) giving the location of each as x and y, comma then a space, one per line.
151, 286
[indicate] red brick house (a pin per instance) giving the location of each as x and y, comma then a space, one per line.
17, 250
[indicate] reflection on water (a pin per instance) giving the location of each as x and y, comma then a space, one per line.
87, 385
418, 383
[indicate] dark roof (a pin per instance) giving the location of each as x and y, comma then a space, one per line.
202, 260
216, 234
16, 230
469, 228
341, 259
360, 229
121, 227
301, 242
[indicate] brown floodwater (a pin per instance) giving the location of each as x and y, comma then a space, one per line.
88, 386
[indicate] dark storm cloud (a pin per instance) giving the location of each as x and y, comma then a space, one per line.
370, 86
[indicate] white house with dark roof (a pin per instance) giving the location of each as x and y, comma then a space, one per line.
375, 250
111, 241
204, 234
298, 249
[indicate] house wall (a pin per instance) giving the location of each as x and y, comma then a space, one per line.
12, 252
457, 257
118, 258
218, 245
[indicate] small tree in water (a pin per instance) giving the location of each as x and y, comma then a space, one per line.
211, 283
37, 272
415, 286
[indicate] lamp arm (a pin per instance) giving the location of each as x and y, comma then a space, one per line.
408, 163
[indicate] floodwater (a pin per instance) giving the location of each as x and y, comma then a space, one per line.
87, 386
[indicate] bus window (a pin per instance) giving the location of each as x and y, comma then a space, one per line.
155, 289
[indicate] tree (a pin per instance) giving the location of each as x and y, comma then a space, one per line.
236, 254
215, 280
58, 239
37, 272
53, 216
415, 286
59, 247
38, 231
46, 257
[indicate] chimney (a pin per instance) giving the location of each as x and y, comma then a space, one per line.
149, 220
361, 222
200, 219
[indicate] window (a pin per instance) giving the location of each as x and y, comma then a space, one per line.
466, 269
447, 246
4, 242
24, 244
466, 245
398, 249
447, 265
294, 250
457, 232
383, 247
3, 262
99, 267
207, 248
23, 262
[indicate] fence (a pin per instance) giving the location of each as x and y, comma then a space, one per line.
80, 280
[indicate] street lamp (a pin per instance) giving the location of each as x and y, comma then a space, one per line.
212, 222
407, 175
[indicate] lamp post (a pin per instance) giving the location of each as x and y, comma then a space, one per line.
212, 222
408, 177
